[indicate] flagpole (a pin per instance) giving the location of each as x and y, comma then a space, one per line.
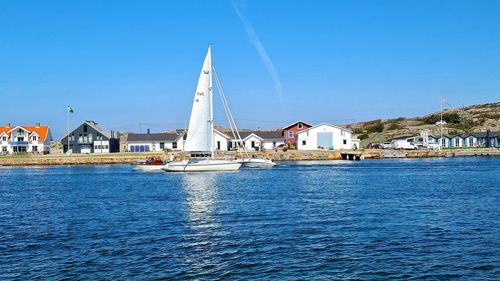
441, 123
67, 136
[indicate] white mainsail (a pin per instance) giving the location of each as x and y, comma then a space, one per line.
200, 130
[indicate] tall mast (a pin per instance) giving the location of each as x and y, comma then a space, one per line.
210, 90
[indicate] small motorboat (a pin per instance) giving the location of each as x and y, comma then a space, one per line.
149, 165
257, 163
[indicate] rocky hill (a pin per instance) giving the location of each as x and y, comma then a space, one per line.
473, 118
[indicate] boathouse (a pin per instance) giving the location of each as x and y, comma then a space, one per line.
324, 136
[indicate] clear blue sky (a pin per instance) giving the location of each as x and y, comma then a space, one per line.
122, 63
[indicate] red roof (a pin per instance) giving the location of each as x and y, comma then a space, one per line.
41, 131
295, 123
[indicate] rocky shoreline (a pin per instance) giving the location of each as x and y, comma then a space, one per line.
290, 155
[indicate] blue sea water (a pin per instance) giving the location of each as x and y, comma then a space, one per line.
421, 219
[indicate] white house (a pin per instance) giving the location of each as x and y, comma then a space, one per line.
155, 142
252, 140
324, 136
25, 139
221, 140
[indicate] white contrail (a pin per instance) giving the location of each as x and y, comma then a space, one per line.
254, 38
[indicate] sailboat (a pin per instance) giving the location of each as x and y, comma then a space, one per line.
200, 135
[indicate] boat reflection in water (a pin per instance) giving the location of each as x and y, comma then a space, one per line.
203, 234
201, 198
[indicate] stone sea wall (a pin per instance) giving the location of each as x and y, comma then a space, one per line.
290, 155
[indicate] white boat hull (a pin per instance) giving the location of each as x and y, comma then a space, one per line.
257, 163
208, 165
148, 168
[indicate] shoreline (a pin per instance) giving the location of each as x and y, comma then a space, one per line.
290, 155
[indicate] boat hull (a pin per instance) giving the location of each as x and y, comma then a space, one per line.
148, 168
257, 163
209, 165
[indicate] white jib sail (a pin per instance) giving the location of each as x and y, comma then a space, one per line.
200, 129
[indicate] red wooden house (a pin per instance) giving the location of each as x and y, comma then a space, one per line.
290, 131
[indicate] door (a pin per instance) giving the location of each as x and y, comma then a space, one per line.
325, 140
85, 149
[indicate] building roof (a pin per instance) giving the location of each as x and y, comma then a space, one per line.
154, 137
105, 132
295, 123
327, 124
42, 131
404, 137
265, 135
482, 134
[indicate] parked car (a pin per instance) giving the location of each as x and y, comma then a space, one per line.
386, 145
376, 145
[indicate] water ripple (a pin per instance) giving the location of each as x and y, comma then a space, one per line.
431, 219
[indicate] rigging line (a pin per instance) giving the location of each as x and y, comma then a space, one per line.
228, 111
225, 105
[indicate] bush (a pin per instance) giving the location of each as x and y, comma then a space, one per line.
448, 117
376, 127
363, 136
359, 130
394, 126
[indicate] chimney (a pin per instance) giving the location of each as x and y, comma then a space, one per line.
37, 124
148, 131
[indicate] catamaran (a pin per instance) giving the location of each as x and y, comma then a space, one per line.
200, 135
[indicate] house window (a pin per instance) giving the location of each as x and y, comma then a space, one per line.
253, 144
471, 142
20, 138
300, 126
303, 142
443, 142
162, 145
34, 148
218, 145
174, 145
4, 149
345, 141
290, 134
457, 142
106, 147
274, 144
4, 138
85, 128
34, 138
